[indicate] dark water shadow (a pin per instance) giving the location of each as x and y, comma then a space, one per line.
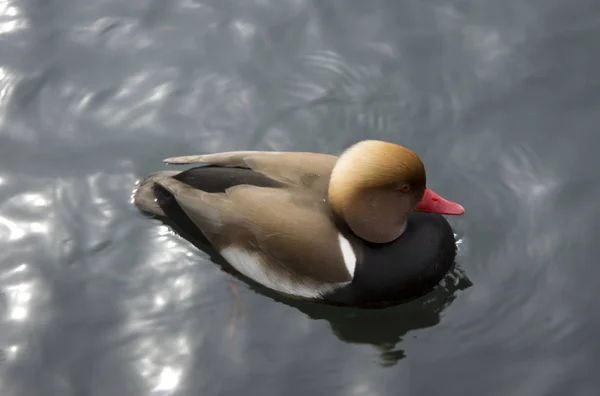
385, 328
382, 328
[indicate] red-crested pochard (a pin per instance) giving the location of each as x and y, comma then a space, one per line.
361, 229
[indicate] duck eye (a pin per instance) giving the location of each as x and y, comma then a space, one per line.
405, 188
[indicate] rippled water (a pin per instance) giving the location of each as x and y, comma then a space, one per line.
501, 98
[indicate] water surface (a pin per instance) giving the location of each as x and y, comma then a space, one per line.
500, 98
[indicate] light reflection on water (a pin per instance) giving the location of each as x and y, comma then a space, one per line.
497, 97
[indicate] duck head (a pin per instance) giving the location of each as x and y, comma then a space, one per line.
375, 185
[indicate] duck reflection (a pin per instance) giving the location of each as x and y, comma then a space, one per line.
383, 328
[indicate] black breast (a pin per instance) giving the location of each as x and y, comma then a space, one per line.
404, 269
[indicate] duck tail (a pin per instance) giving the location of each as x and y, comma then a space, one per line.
144, 195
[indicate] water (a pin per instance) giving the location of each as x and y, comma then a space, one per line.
501, 98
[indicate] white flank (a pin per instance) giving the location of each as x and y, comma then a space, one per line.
250, 265
348, 254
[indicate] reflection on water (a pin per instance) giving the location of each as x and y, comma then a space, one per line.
386, 328
499, 98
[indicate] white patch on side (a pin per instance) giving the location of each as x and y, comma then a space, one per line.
250, 265
348, 254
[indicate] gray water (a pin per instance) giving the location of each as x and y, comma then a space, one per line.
500, 98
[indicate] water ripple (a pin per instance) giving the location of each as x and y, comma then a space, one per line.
494, 96
11, 18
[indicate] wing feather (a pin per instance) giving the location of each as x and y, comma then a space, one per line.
293, 168
291, 230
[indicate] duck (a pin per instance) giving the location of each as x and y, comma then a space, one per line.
360, 229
